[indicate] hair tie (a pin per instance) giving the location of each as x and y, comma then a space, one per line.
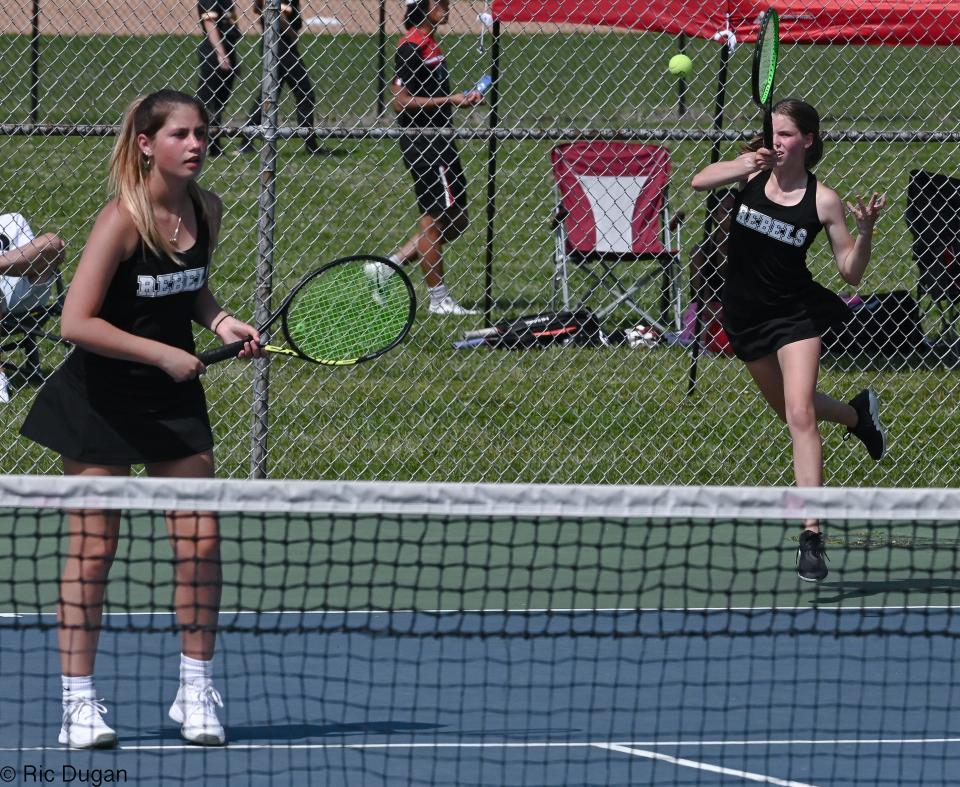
219, 320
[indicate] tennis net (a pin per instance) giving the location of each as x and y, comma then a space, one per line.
373, 633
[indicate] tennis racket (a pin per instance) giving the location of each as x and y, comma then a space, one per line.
765, 70
350, 310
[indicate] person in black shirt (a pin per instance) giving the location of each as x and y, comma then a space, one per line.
129, 393
219, 63
422, 99
291, 71
774, 313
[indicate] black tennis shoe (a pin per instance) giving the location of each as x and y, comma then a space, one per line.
869, 430
811, 557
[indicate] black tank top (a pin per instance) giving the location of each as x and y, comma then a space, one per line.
767, 251
150, 296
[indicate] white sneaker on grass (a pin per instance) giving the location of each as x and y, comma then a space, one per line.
448, 306
195, 710
377, 272
83, 726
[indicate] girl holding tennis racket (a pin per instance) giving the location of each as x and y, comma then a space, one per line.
129, 393
774, 313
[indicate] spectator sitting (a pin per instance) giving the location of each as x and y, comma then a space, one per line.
28, 268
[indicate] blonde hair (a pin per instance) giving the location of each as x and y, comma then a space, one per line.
129, 168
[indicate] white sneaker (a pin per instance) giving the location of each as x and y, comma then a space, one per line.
195, 710
377, 272
83, 726
4, 388
449, 306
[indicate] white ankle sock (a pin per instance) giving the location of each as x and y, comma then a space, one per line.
78, 686
195, 670
438, 293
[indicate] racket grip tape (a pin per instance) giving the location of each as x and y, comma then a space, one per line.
221, 353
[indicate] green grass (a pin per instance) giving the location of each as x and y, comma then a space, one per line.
427, 412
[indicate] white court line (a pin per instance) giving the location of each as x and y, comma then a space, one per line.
512, 744
701, 766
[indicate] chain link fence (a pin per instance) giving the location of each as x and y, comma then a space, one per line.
620, 410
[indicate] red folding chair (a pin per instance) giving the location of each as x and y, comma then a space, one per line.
612, 212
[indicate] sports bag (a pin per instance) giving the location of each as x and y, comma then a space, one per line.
543, 330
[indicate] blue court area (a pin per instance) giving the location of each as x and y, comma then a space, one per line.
796, 696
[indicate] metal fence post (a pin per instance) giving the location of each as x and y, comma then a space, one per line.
266, 223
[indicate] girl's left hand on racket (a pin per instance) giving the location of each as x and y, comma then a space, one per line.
350, 310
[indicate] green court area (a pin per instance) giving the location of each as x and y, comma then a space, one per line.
274, 563
427, 412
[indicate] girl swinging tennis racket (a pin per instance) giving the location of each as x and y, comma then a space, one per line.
774, 313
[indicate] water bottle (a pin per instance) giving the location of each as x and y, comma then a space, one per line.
484, 84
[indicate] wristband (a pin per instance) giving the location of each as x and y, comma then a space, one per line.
219, 320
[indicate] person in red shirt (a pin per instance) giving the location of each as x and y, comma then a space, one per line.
422, 99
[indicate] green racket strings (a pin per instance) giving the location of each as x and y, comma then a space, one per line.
341, 314
768, 60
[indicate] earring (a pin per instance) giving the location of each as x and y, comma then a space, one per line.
146, 162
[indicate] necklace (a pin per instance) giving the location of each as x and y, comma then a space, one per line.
176, 232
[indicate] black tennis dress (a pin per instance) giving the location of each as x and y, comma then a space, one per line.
769, 297
107, 411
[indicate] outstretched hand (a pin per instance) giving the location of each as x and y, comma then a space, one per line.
867, 213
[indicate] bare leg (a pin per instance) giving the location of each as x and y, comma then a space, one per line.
769, 379
195, 538
787, 381
92, 545
430, 249
409, 251
799, 365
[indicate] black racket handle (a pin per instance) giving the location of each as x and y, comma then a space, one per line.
222, 353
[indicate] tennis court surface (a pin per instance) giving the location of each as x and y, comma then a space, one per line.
504, 635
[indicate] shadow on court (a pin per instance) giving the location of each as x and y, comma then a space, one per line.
244, 733
843, 591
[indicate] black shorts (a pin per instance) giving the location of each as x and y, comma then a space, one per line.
66, 418
438, 178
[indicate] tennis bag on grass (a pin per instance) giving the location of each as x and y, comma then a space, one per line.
543, 330
887, 323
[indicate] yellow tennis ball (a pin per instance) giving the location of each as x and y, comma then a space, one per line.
680, 65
